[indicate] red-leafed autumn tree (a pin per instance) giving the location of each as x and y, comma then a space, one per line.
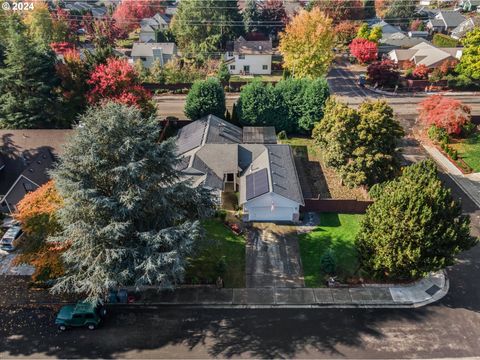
129, 12
446, 113
365, 51
61, 48
118, 81
73, 73
420, 72
383, 73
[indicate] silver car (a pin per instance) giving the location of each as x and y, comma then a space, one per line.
8, 242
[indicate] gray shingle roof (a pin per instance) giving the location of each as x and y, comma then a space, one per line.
35, 175
280, 165
146, 49
207, 130
19, 147
245, 47
451, 18
461, 30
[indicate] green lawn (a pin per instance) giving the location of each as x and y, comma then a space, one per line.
336, 231
469, 151
219, 242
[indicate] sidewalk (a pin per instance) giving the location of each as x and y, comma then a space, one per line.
421, 93
420, 293
470, 184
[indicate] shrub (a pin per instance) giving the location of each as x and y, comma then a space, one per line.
442, 40
204, 98
221, 214
282, 135
447, 113
328, 263
421, 72
438, 135
383, 73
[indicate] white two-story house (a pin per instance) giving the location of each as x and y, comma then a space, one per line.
249, 57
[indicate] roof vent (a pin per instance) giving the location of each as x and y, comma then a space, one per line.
39, 162
31, 170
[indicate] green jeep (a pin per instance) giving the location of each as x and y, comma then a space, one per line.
82, 314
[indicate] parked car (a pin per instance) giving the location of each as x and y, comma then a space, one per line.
83, 314
9, 239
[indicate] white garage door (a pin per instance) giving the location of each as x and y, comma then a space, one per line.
266, 214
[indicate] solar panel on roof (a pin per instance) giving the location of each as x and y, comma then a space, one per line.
257, 184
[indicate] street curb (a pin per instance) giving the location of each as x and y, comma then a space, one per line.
422, 94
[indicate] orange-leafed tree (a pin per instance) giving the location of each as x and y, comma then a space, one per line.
37, 215
36, 211
340, 9
307, 44
446, 113
129, 12
346, 31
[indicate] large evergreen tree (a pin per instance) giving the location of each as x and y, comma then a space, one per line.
251, 16
205, 97
360, 144
128, 217
202, 27
27, 81
413, 227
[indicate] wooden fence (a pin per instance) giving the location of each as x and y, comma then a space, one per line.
336, 205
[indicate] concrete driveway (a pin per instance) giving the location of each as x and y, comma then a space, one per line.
273, 257
7, 268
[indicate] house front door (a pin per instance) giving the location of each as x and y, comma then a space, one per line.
246, 69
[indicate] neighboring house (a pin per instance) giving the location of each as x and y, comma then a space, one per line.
251, 163
149, 52
406, 43
27, 157
150, 26
249, 57
469, 5
389, 32
445, 21
461, 30
394, 38
426, 54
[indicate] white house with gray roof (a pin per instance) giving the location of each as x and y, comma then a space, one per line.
223, 157
147, 53
246, 57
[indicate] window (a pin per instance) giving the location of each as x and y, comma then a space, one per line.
143, 58
77, 316
265, 67
230, 53
232, 67
241, 57
89, 316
